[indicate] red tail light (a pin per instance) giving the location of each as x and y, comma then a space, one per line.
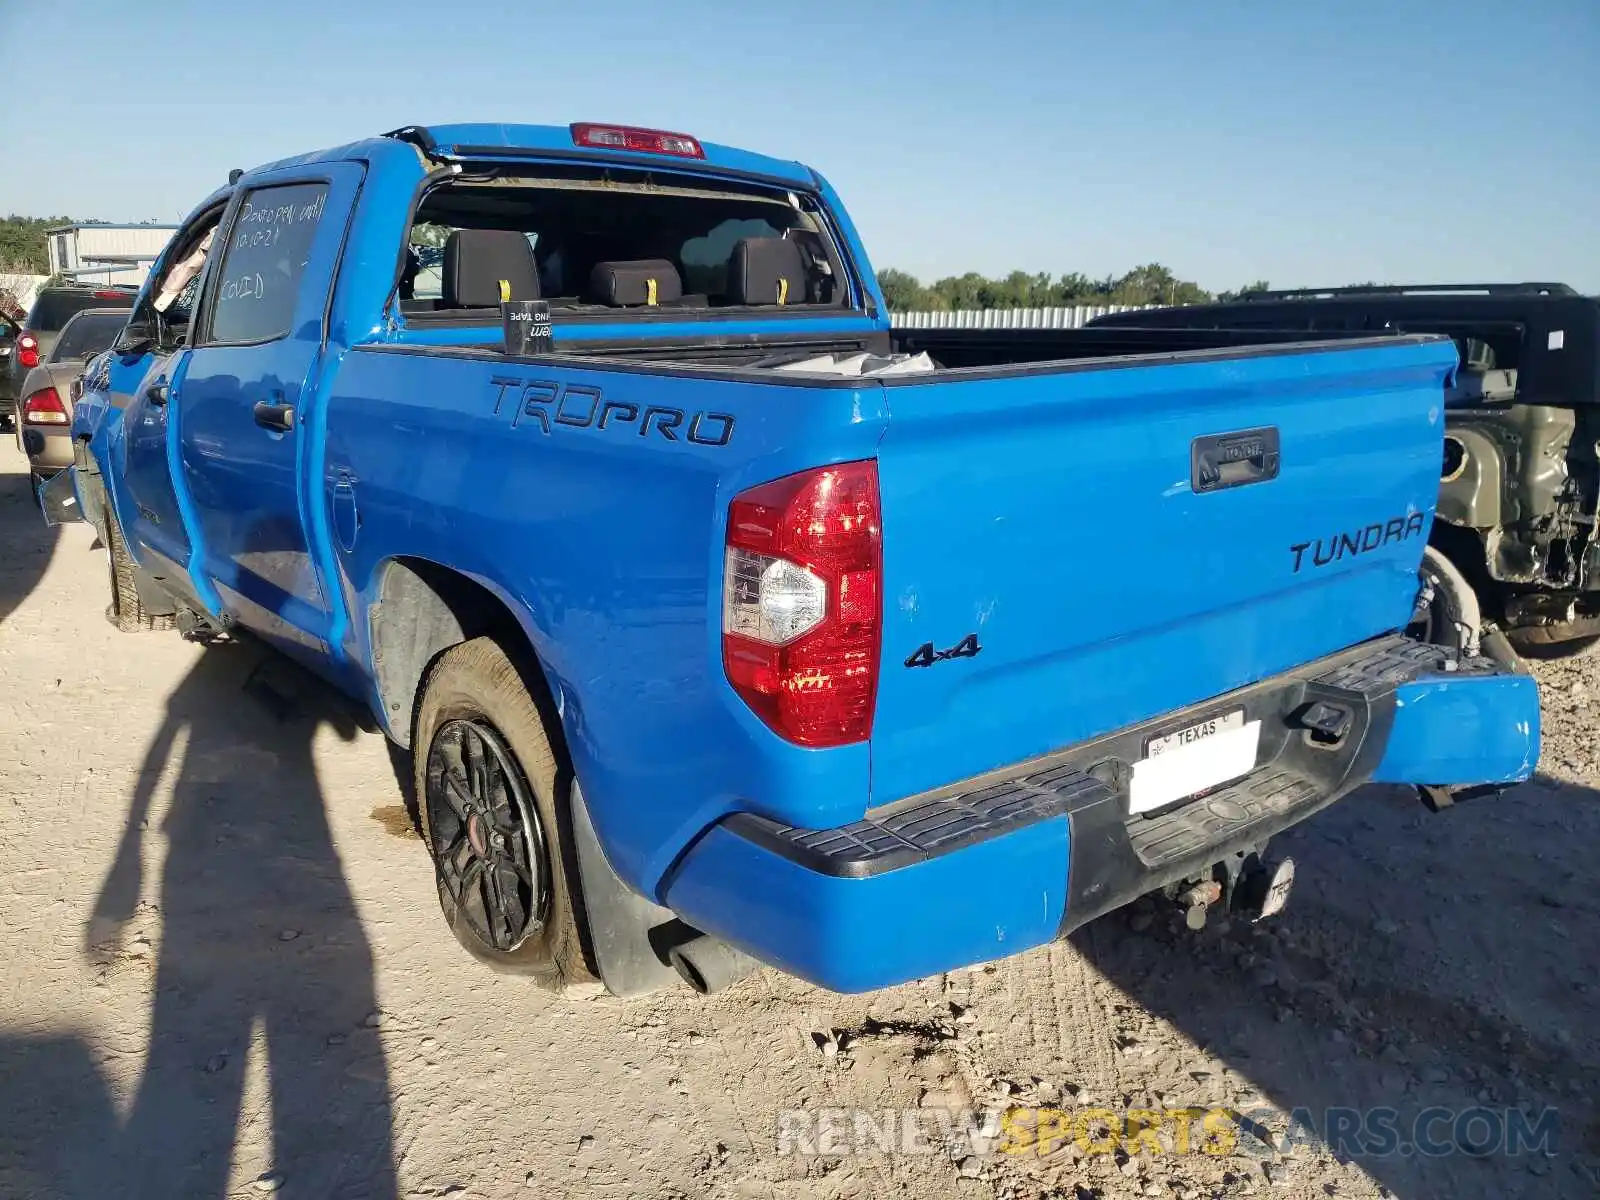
801, 602
44, 407
27, 351
628, 137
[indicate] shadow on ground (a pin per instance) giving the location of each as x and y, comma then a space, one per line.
26, 542
1426, 962
258, 952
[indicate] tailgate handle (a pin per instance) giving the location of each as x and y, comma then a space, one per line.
1225, 460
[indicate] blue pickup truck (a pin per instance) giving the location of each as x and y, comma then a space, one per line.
728, 625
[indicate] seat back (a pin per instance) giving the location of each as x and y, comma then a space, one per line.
484, 266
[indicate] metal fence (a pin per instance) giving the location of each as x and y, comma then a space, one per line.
1009, 318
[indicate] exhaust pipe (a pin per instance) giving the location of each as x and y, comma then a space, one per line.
708, 965
1437, 798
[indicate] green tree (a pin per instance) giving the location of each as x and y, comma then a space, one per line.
22, 242
902, 292
1156, 284
1260, 285
1151, 283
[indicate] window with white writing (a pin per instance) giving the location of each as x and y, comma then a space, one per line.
268, 249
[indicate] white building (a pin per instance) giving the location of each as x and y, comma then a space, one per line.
106, 253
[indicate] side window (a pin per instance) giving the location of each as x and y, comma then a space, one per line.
174, 298
258, 280
168, 307
423, 278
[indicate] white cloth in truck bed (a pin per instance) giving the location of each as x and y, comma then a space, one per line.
862, 364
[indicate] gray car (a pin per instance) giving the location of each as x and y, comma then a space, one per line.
50, 390
53, 307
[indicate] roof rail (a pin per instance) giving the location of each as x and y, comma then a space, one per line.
1417, 289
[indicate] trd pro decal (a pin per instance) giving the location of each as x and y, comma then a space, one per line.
547, 405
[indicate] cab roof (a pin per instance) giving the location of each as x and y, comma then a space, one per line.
488, 141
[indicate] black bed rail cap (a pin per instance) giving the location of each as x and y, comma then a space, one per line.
1415, 289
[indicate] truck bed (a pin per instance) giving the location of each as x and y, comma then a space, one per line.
951, 349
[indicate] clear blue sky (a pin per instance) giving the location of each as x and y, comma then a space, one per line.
1303, 141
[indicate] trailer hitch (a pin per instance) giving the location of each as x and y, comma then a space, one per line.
1244, 885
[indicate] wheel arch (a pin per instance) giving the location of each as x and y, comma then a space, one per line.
421, 610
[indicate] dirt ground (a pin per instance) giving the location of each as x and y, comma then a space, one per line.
224, 974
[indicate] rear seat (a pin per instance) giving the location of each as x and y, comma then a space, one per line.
766, 270
477, 262
639, 283
482, 266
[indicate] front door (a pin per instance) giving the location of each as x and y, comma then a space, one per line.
151, 513
248, 391
142, 383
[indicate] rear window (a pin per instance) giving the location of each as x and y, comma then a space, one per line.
574, 224
54, 307
88, 334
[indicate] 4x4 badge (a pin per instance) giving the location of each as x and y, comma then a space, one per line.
926, 655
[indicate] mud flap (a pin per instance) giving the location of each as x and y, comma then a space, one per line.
630, 936
58, 499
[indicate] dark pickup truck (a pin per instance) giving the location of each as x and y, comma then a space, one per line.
1513, 553
723, 625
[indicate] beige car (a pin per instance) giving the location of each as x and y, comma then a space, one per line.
49, 390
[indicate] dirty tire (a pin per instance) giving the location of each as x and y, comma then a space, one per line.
1530, 645
125, 611
477, 683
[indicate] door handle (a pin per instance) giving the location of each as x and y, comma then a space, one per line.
277, 417
156, 393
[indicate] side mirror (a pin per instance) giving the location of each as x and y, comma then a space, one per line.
137, 336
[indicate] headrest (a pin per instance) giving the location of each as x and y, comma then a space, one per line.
766, 271
647, 281
477, 261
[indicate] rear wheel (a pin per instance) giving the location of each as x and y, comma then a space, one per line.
125, 611
487, 783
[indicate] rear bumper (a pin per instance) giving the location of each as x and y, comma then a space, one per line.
1021, 857
47, 452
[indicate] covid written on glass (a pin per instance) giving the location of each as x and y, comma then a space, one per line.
268, 249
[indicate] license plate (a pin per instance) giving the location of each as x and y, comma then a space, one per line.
1176, 765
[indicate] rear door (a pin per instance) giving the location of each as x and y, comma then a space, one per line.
242, 439
1070, 551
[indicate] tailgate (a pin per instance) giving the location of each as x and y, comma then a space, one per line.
1115, 540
